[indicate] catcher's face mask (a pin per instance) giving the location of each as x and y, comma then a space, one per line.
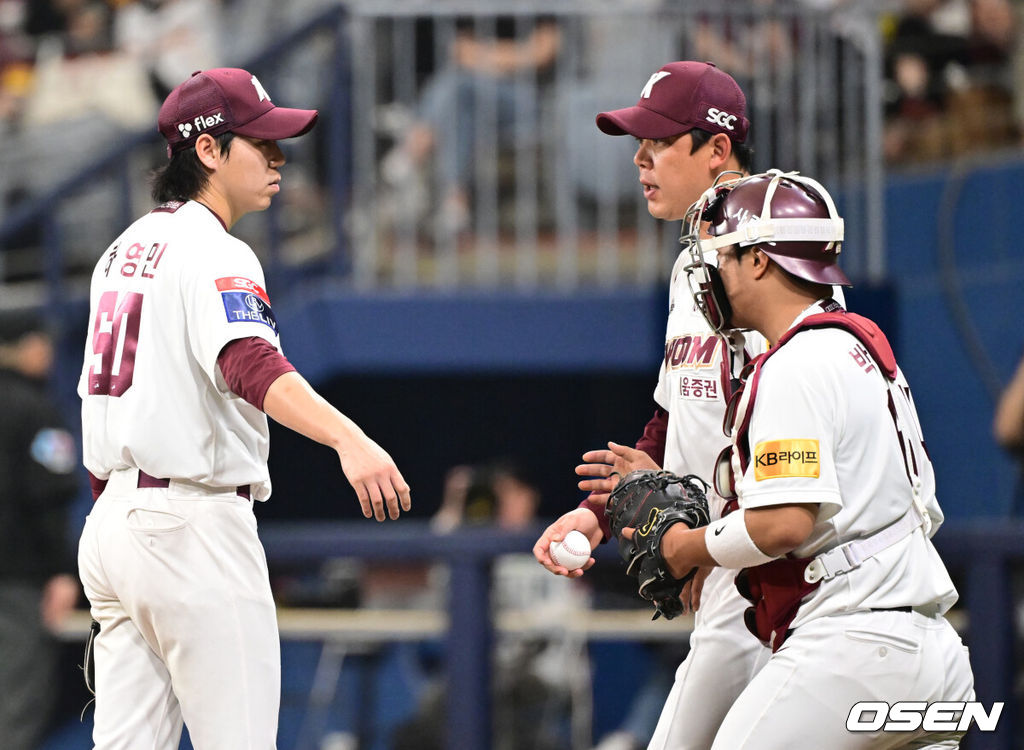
702, 276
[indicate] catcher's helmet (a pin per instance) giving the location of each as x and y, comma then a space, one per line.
790, 218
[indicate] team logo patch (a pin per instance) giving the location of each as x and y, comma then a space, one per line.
774, 459
245, 301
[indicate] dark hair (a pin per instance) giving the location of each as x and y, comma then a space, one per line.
184, 176
743, 152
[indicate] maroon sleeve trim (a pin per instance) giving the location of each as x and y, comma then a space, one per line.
598, 510
250, 365
97, 485
652, 442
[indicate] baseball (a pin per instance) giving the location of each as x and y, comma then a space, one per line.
572, 552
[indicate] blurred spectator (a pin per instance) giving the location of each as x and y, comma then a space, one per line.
169, 38
38, 581
483, 69
746, 43
498, 494
67, 97
81, 26
79, 73
950, 80
1017, 68
1008, 427
920, 59
533, 676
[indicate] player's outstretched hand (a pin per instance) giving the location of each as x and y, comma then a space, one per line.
375, 478
581, 519
292, 402
603, 468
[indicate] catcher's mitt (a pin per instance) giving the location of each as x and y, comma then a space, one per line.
650, 502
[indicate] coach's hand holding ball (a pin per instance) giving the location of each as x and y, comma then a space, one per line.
572, 552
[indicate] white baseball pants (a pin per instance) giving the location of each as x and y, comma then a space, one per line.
723, 659
803, 696
177, 579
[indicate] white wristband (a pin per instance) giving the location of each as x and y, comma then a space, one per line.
729, 543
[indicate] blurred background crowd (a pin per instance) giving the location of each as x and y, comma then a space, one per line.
952, 67
462, 262
76, 75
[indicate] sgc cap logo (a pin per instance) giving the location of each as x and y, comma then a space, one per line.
721, 118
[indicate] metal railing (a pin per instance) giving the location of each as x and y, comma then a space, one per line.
549, 201
982, 554
56, 233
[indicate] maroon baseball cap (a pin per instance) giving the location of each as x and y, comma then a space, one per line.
220, 100
679, 97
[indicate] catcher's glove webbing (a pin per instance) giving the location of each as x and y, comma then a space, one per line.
650, 502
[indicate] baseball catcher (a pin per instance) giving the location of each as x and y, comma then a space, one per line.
650, 502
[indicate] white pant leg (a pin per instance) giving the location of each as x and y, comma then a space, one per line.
803, 696
724, 656
135, 706
191, 574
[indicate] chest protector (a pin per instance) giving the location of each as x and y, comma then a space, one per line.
776, 589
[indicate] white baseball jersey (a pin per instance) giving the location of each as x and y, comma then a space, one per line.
821, 431
692, 387
822, 395
166, 297
693, 384
694, 379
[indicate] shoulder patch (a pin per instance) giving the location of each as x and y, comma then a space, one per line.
245, 301
774, 459
240, 283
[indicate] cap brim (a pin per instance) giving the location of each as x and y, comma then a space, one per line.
278, 123
819, 273
639, 123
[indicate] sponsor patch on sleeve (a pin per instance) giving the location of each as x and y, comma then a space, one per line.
774, 459
241, 284
245, 301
